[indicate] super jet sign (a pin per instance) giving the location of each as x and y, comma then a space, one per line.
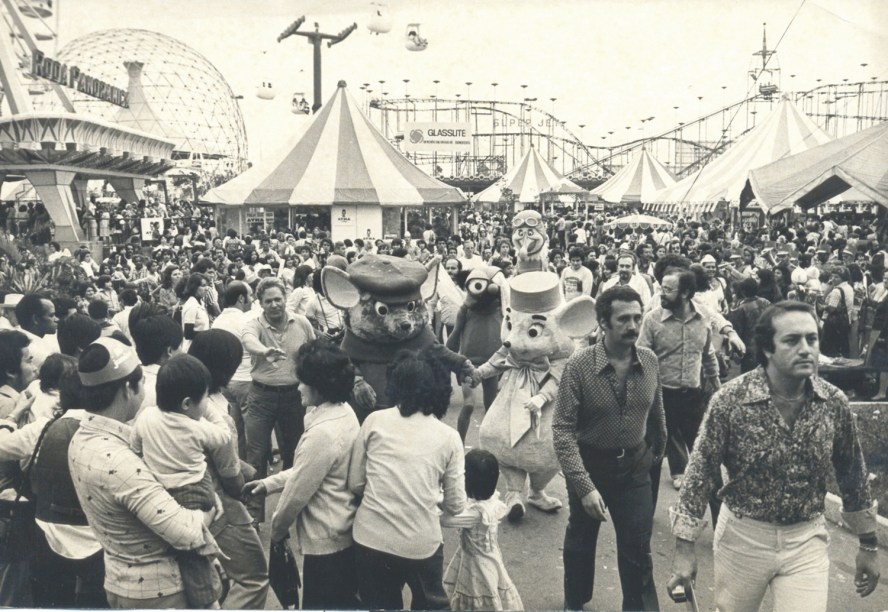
71, 76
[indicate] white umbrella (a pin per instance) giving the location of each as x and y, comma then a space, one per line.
636, 221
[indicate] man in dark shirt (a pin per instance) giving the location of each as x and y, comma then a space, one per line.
778, 431
608, 430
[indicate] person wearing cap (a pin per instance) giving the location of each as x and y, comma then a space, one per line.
7, 310
133, 517
273, 403
713, 295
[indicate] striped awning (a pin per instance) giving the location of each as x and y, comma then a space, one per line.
530, 178
340, 159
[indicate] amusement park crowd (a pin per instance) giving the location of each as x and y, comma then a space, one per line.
141, 389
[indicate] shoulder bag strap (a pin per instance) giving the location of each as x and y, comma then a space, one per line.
26, 473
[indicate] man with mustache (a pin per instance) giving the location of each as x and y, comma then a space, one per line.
608, 429
682, 339
778, 432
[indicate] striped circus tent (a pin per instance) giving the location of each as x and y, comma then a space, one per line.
637, 181
784, 132
340, 159
531, 177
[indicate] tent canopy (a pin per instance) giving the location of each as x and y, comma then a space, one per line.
784, 132
855, 163
637, 181
341, 158
530, 177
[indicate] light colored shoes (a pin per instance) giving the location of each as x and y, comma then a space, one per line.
676, 482
546, 503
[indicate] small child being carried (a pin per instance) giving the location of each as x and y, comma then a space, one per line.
172, 438
476, 578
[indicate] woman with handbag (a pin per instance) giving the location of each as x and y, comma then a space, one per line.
324, 316
837, 315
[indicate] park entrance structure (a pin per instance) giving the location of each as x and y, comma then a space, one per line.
341, 164
58, 151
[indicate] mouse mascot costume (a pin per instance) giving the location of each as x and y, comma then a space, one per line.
517, 429
477, 333
384, 303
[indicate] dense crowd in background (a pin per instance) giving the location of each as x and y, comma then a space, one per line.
160, 293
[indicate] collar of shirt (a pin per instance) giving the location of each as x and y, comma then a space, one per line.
692, 311
264, 322
759, 391
8, 391
103, 424
328, 411
601, 361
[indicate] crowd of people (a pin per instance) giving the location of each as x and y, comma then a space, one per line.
141, 391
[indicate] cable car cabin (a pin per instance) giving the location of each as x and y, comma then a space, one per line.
44, 35
380, 21
35, 8
768, 90
414, 41
266, 91
300, 105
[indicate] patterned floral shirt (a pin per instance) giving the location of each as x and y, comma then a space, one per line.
776, 473
592, 410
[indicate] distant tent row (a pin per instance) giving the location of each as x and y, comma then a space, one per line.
529, 179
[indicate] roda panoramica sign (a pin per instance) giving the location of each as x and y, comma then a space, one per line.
71, 76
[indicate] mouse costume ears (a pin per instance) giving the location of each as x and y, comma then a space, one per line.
392, 280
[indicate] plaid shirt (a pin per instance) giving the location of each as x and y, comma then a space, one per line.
683, 348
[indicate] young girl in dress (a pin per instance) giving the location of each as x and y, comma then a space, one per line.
476, 578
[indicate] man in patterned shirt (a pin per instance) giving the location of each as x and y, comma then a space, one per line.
133, 517
778, 431
608, 429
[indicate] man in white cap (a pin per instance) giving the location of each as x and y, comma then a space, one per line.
7, 310
714, 295
133, 517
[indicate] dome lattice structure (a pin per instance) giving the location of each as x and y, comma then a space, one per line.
185, 91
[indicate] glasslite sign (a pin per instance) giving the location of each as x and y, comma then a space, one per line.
438, 137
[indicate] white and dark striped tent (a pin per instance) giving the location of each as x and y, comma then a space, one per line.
341, 159
531, 177
637, 181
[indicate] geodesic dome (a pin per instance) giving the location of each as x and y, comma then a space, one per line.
185, 91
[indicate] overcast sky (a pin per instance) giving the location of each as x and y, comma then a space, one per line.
607, 63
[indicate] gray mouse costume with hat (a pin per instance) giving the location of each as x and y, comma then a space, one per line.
384, 302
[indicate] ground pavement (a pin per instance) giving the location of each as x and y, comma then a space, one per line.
532, 553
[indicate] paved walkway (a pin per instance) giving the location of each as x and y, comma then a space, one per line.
532, 552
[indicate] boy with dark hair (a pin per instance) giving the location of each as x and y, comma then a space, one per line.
158, 337
172, 438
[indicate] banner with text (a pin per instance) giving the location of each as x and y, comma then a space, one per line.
437, 136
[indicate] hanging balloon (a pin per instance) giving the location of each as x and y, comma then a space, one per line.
380, 21
266, 91
414, 41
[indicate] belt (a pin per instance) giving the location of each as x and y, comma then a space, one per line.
612, 453
277, 388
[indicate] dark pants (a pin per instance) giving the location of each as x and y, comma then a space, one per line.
331, 581
277, 409
236, 393
382, 576
625, 488
684, 411
59, 582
